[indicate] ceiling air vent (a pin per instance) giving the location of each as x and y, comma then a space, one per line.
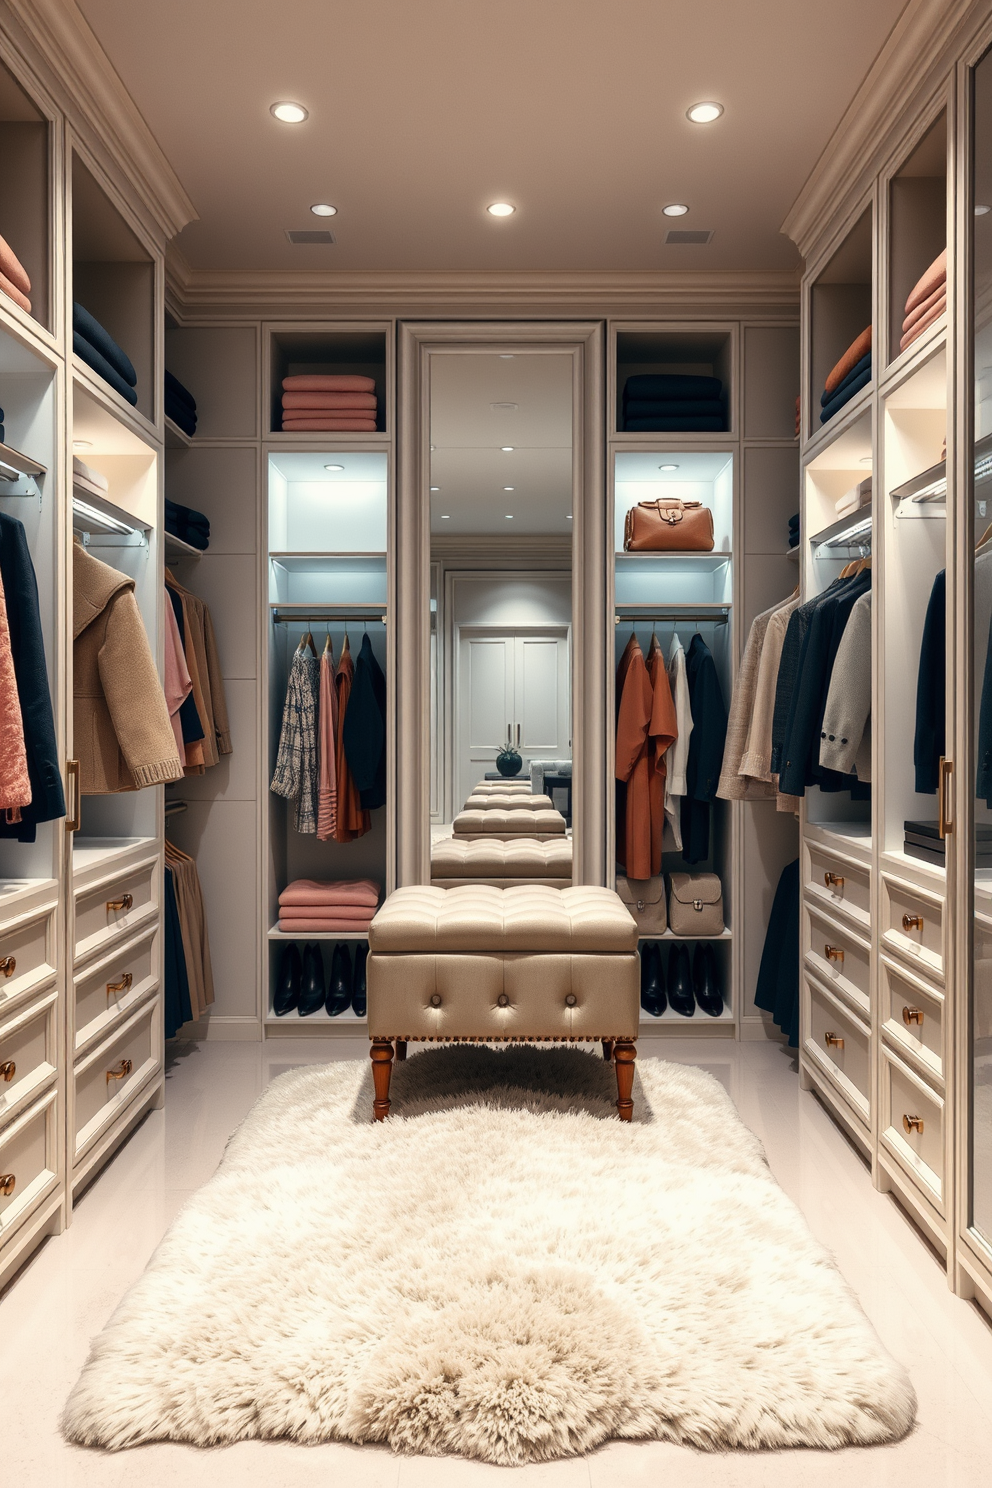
310, 235
687, 235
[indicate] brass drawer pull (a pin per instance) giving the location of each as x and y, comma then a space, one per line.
124, 902
833, 880
120, 1071
912, 1015
832, 1041
124, 985
834, 953
7, 1071
7, 1182
912, 1123
73, 822
8, 965
912, 922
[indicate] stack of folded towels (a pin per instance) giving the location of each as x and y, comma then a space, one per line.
307, 907
85, 478
849, 376
854, 499
14, 282
98, 349
180, 405
927, 300
3, 436
315, 400
794, 531
666, 400
190, 526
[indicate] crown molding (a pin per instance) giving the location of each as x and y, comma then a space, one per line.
920, 49
212, 294
98, 105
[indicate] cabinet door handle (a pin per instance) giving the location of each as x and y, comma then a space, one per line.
832, 1041
7, 1071
833, 880
124, 985
834, 953
8, 965
73, 822
124, 902
945, 770
912, 1123
912, 922
120, 1071
912, 1015
7, 1182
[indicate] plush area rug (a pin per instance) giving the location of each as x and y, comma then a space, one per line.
502, 1270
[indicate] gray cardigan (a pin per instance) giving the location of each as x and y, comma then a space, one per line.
845, 741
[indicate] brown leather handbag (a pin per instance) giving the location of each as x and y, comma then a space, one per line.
668, 525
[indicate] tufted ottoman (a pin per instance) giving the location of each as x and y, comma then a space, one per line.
501, 863
542, 823
502, 788
508, 801
503, 965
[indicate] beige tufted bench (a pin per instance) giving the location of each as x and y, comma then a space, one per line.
503, 864
507, 801
545, 822
502, 788
503, 965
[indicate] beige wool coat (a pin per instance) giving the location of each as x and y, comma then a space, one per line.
122, 735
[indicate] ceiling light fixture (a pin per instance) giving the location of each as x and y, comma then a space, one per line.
509, 488
82, 444
289, 113
704, 113
500, 209
507, 448
668, 467
324, 209
865, 460
675, 209
568, 516
445, 517
509, 516
333, 467
506, 356
982, 211
435, 488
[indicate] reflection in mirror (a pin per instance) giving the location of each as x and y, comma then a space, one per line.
501, 610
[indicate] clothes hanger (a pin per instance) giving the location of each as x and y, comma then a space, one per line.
984, 538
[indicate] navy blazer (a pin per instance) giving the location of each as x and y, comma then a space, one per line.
706, 746
365, 729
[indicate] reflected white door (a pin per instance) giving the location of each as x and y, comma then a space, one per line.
509, 681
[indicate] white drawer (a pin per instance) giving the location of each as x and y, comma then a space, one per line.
912, 1127
27, 955
839, 1042
841, 959
28, 1053
912, 1015
110, 1076
913, 924
28, 1161
107, 990
839, 883
114, 908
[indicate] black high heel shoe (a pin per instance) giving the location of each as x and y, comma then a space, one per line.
312, 995
706, 980
680, 996
653, 999
289, 981
359, 997
339, 986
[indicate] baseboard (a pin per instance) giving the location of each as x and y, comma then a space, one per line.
224, 1028
760, 1031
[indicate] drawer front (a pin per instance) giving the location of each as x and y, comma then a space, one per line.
28, 1054
838, 958
839, 1042
913, 924
114, 908
840, 883
27, 956
107, 990
28, 1160
107, 1078
913, 1128
912, 1015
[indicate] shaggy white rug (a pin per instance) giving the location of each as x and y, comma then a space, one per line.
502, 1270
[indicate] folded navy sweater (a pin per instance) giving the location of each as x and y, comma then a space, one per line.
92, 331
709, 424
175, 389
671, 385
845, 395
852, 376
672, 408
102, 367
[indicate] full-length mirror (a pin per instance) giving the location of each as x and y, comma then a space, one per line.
501, 517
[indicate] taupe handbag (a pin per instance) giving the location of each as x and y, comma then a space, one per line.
645, 899
668, 525
695, 904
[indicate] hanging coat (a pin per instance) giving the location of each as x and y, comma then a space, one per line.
709, 738
678, 754
352, 820
365, 729
663, 732
296, 774
15, 786
327, 798
633, 735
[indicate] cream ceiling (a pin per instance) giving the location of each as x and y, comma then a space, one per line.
423, 111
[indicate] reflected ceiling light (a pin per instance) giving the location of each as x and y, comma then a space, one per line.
435, 488
500, 209
506, 356
445, 517
333, 467
509, 488
82, 444
507, 448
675, 209
509, 516
668, 467
324, 209
704, 113
568, 516
289, 113
982, 211
865, 460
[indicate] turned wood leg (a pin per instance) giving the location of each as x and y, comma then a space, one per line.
401, 1048
382, 1068
607, 1050
624, 1054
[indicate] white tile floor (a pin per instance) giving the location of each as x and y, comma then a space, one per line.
48, 1317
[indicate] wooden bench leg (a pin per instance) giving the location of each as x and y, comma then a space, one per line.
607, 1050
382, 1069
401, 1048
624, 1054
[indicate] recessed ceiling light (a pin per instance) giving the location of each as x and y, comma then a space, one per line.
445, 517
333, 467
704, 113
982, 211
509, 516
507, 448
675, 209
568, 516
506, 356
289, 113
865, 460
82, 444
435, 488
668, 467
500, 209
324, 209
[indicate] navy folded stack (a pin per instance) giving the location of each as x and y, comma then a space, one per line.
2, 437
188, 525
664, 401
94, 345
794, 531
858, 377
180, 405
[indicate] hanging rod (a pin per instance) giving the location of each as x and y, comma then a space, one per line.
844, 534
285, 615
719, 613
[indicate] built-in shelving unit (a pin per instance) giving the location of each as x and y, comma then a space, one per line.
358, 350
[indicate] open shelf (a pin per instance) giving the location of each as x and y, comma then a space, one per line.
25, 202
840, 309
175, 438
353, 352
276, 934
695, 353
917, 222
176, 549
698, 1020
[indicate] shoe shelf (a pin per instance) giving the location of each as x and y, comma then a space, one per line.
349, 1017
276, 934
699, 1019
687, 939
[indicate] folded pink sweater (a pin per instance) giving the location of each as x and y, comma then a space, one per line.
12, 291
857, 349
319, 382
923, 308
329, 400
353, 425
934, 313
334, 892
935, 275
12, 268
323, 927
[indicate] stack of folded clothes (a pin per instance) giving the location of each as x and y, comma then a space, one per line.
854, 499
927, 300
180, 405
190, 526
98, 349
14, 282
86, 479
666, 400
849, 376
3, 436
794, 531
335, 401
308, 907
